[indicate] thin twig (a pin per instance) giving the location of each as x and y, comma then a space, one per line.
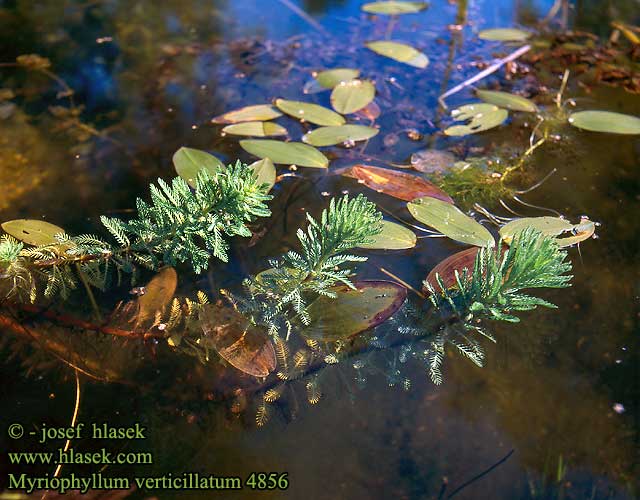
484, 73
403, 283
482, 474
297, 10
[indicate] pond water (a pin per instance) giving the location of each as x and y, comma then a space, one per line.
555, 408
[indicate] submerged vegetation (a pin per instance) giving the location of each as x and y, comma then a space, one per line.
265, 279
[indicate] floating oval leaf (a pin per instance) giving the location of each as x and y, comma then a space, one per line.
353, 311
188, 162
606, 121
504, 35
450, 221
33, 232
400, 52
265, 171
255, 129
432, 161
549, 226
394, 7
482, 117
312, 113
241, 344
349, 97
288, 153
397, 184
329, 136
393, 237
507, 101
447, 268
581, 232
332, 77
258, 112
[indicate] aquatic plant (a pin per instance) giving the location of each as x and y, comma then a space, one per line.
178, 225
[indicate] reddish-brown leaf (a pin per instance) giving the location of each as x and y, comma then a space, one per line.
370, 112
400, 185
241, 344
446, 269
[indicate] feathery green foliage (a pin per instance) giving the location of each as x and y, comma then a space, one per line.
284, 291
494, 289
184, 225
178, 225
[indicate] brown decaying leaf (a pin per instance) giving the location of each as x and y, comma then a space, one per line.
370, 112
241, 344
157, 295
400, 185
446, 269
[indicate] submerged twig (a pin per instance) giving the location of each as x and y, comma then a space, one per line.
484, 73
298, 11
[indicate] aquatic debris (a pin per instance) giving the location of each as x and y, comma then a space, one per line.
397, 184
430, 161
447, 268
241, 344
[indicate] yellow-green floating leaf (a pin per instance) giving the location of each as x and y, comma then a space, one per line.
33, 232
394, 7
255, 129
288, 153
504, 35
329, 136
507, 101
393, 237
312, 113
256, 113
581, 232
606, 121
450, 221
332, 77
481, 117
400, 52
188, 162
265, 171
549, 226
349, 97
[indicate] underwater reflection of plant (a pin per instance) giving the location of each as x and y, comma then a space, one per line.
304, 313
492, 290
